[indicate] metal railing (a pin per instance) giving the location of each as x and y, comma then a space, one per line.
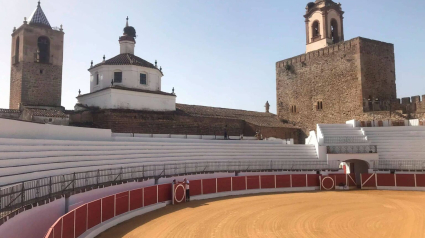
16, 197
344, 139
404, 165
352, 149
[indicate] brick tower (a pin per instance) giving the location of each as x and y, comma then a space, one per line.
37, 58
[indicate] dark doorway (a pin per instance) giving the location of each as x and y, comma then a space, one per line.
357, 167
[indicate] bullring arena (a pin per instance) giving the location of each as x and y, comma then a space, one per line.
346, 181
312, 214
342, 156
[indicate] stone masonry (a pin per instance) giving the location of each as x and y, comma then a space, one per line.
333, 84
33, 83
187, 120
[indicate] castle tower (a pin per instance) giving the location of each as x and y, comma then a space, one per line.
36, 68
324, 24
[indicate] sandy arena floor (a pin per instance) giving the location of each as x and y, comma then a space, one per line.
315, 214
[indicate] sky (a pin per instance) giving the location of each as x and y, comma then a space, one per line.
214, 53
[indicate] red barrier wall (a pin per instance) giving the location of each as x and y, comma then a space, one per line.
339, 179
328, 182
405, 180
57, 229
195, 187
238, 183
224, 185
89, 215
283, 181
150, 195
370, 178
108, 208
94, 212
299, 180
121, 203
136, 199
253, 182
164, 192
386, 180
351, 178
50, 235
267, 181
80, 220
208, 186
68, 225
420, 180
313, 180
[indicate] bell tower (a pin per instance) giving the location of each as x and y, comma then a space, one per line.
324, 24
36, 67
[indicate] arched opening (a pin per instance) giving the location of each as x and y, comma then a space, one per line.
17, 50
315, 29
43, 52
334, 31
357, 167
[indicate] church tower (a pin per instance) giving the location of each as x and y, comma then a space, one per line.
36, 67
324, 24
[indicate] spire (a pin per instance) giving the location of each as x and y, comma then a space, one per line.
38, 17
126, 25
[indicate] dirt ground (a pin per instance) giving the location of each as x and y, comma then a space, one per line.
309, 214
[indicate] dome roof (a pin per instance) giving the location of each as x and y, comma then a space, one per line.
310, 5
130, 31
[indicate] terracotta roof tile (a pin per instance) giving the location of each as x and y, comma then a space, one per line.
127, 59
130, 89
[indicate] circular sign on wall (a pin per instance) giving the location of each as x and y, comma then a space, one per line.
179, 193
328, 183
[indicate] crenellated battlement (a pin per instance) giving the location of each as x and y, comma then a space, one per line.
342, 46
410, 100
412, 104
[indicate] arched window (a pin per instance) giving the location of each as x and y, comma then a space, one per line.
17, 50
316, 29
97, 78
43, 52
334, 31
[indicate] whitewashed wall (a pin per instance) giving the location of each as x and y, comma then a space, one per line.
28, 130
123, 99
130, 77
33, 223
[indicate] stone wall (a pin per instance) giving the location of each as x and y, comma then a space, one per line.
339, 76
33, 83
377, 67
10, 114
41, 89
129, 121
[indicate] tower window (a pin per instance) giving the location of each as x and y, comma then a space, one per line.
43, 51
293, 109
316, 29
41, 71
143, 79
117, 77
97, 78
334, 31
319, 105
17, 50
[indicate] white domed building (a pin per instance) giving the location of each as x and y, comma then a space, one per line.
127, 82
